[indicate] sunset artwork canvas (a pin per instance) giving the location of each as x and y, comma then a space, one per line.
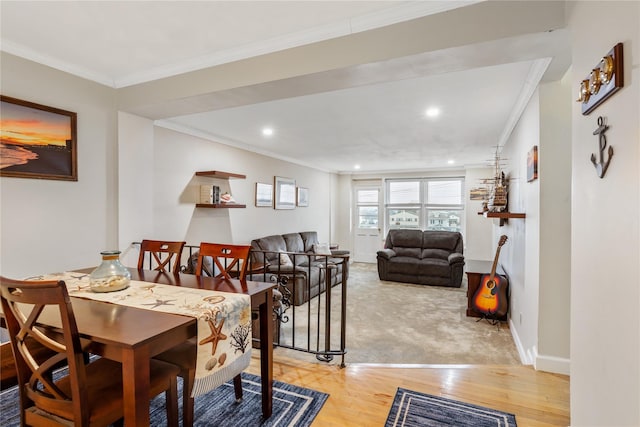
37, 141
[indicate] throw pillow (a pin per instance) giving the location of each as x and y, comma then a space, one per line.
321, 249
285, 260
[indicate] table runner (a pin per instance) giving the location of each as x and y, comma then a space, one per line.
224, 321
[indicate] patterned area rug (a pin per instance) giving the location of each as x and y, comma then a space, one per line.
292, 406
411, 409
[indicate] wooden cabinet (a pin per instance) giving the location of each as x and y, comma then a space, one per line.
220, 175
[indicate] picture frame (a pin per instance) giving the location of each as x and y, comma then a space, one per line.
479, 193
302, 197
264, 195
37, 141
532, 164
284, 193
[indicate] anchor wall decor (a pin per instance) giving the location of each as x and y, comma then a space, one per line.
602, 165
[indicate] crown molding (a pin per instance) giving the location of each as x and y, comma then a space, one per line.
537, 70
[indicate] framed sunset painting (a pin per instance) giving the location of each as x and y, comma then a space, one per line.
37, 141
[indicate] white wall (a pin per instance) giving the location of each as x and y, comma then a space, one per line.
554, 170
478, 229
520, 255
174, 158
605, 267
538, 253
49, 226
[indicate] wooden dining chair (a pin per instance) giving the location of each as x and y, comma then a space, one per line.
230, 260
161, 253
87, 394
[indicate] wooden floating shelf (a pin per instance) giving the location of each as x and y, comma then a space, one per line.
220, 205
221, 175
502, 216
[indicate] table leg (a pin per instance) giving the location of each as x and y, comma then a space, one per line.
266, 353
135, 384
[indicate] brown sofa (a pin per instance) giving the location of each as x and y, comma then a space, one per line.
422, 257
306, 275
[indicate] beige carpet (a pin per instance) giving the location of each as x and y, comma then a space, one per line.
399, 323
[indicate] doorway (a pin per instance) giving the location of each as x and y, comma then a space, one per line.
367, 223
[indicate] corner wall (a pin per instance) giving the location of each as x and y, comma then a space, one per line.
48, 226
172, 190
605, 267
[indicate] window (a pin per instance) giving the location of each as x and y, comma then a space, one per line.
425, 204
367, 207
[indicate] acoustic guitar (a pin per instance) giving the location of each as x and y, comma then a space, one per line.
490, 298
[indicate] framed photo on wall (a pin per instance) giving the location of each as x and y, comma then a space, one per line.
302, 197
37, 141
264, 195
532, 164
285, 193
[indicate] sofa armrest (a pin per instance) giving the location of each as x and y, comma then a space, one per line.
386, 253
456, 258
338, 252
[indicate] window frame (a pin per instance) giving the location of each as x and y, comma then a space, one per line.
423, 207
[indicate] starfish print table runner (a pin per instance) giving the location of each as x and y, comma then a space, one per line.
224, 321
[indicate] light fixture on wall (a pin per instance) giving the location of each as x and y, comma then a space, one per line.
603, 81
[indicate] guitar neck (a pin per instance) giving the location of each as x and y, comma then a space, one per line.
495, 264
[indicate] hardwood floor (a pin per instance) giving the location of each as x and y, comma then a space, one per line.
361, 395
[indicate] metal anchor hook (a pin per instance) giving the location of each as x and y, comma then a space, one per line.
602, 165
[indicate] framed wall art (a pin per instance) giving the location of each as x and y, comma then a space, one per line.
285, 193
302, 197
264, 195
37, 141
532, 164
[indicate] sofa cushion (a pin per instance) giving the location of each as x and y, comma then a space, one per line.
294, 242
451, 242
424, 267
309, 238
435, 253
404, 238
271, 245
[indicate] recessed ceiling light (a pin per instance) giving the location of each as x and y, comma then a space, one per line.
356, 166
432, 112
451, 161
267, 131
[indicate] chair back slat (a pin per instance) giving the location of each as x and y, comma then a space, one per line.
160, 255
231, 260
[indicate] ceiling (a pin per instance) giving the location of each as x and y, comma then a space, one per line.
371, 115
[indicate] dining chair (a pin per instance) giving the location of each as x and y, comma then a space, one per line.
88, 393
229, 260
160, 253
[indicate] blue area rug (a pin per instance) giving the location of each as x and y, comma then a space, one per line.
292, 406
411, 409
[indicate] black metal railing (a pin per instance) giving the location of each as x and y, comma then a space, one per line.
306, 312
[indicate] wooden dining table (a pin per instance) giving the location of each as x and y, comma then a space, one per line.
132, 335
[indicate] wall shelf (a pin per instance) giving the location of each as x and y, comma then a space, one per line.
502, 216
220, 205
220, 175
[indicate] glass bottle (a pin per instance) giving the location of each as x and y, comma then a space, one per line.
110, 275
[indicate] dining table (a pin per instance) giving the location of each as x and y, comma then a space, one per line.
133, 335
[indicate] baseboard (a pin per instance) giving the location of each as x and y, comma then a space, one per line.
524, 357
556, 365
